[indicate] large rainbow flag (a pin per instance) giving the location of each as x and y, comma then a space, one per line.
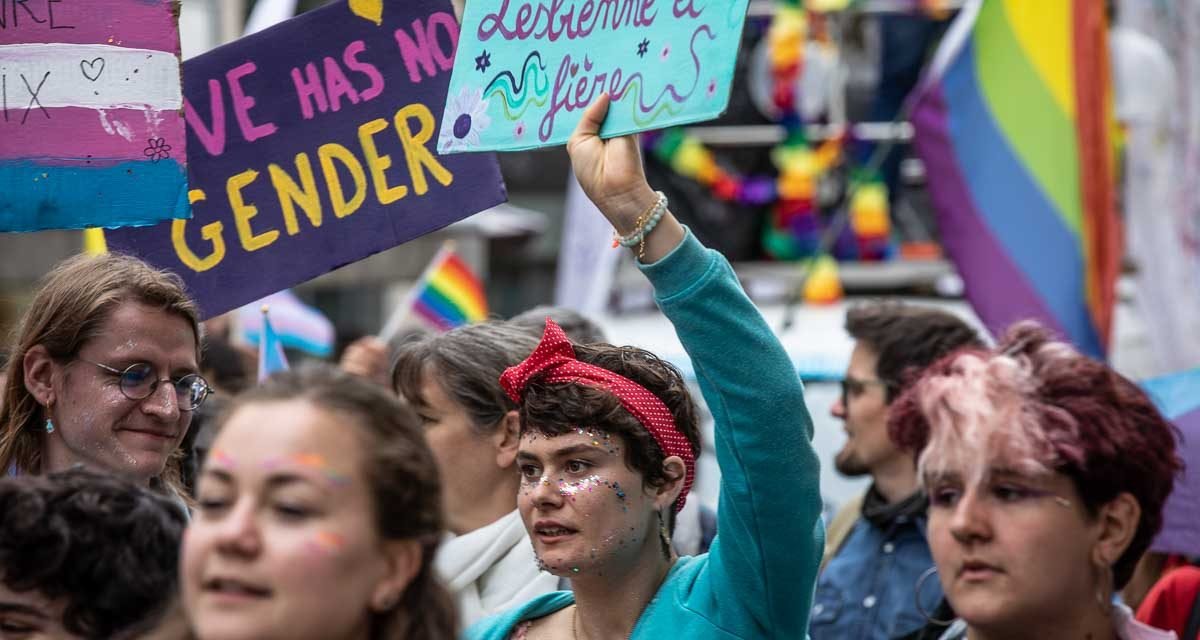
1014, 122
449, 295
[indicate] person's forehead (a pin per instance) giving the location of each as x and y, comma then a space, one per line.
264, 431
134, 329
542, 445
863, 360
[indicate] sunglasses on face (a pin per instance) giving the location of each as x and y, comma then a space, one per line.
139, 381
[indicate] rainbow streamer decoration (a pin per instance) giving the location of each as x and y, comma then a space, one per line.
271, 357
1177, 396
449, 295
1015, 125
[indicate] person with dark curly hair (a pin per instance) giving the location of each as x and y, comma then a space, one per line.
319, 516
609, 441
1047, 472
85, 555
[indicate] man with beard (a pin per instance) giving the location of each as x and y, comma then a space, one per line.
876, 550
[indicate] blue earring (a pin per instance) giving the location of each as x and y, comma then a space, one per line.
49, 425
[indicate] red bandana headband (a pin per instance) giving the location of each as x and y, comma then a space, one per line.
554, 361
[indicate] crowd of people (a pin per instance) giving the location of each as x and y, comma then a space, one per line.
524, 479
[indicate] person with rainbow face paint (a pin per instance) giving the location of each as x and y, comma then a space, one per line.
609, 440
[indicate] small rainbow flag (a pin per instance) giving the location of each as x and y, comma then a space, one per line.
449, 295
1015, 125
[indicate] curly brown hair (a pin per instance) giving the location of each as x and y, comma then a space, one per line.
104, 547
552, 409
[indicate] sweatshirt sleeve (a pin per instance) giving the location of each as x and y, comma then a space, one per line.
763, 562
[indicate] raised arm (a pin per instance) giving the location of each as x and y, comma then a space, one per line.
763, 564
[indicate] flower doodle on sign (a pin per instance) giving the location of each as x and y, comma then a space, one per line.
466, 117
158, 149
643, 47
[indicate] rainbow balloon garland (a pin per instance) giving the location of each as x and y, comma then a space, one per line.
795, 226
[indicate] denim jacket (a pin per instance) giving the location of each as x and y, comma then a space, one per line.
868, 589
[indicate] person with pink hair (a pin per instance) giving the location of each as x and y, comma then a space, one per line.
1047, 473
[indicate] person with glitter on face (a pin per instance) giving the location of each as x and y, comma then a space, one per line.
452, 381
1047, 473
104, 372
609, 440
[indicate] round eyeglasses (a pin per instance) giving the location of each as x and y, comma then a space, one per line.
138, 382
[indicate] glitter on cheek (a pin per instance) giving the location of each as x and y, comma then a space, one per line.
571, 490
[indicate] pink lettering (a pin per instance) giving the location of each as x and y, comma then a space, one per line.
213, 139
242, 103
338, 85
309, 90
350, 57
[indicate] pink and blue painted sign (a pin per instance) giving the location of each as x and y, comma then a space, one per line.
527, 69
91, 124
312, 146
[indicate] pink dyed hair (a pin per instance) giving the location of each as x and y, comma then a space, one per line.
1041, 406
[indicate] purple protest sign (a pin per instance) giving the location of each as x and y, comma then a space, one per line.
311, 145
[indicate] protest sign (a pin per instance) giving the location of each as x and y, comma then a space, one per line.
91, 132
526, 69
312, 147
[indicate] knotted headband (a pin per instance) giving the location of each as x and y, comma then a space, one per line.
554, 361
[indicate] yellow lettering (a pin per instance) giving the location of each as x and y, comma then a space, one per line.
242, 212
415, 151
333, 151
291, 194
210, 232
377, 163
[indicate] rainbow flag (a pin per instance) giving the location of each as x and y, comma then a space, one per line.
1014, 122
449, 295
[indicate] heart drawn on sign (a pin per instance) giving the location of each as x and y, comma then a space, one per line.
368, 9
92, 68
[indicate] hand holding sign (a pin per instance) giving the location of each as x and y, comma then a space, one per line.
610, 173
532, 67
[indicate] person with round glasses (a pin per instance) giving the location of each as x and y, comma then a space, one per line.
103, 373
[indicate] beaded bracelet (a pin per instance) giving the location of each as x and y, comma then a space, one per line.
644, 224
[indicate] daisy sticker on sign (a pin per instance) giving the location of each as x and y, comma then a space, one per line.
526, 69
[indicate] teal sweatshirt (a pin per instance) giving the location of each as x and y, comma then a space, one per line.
757, 579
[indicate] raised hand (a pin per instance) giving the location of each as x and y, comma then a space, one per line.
611, 174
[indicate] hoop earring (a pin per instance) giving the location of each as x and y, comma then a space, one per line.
917, 598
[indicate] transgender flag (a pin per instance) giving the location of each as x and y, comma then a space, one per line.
271, 357
1014, 122
90, 126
